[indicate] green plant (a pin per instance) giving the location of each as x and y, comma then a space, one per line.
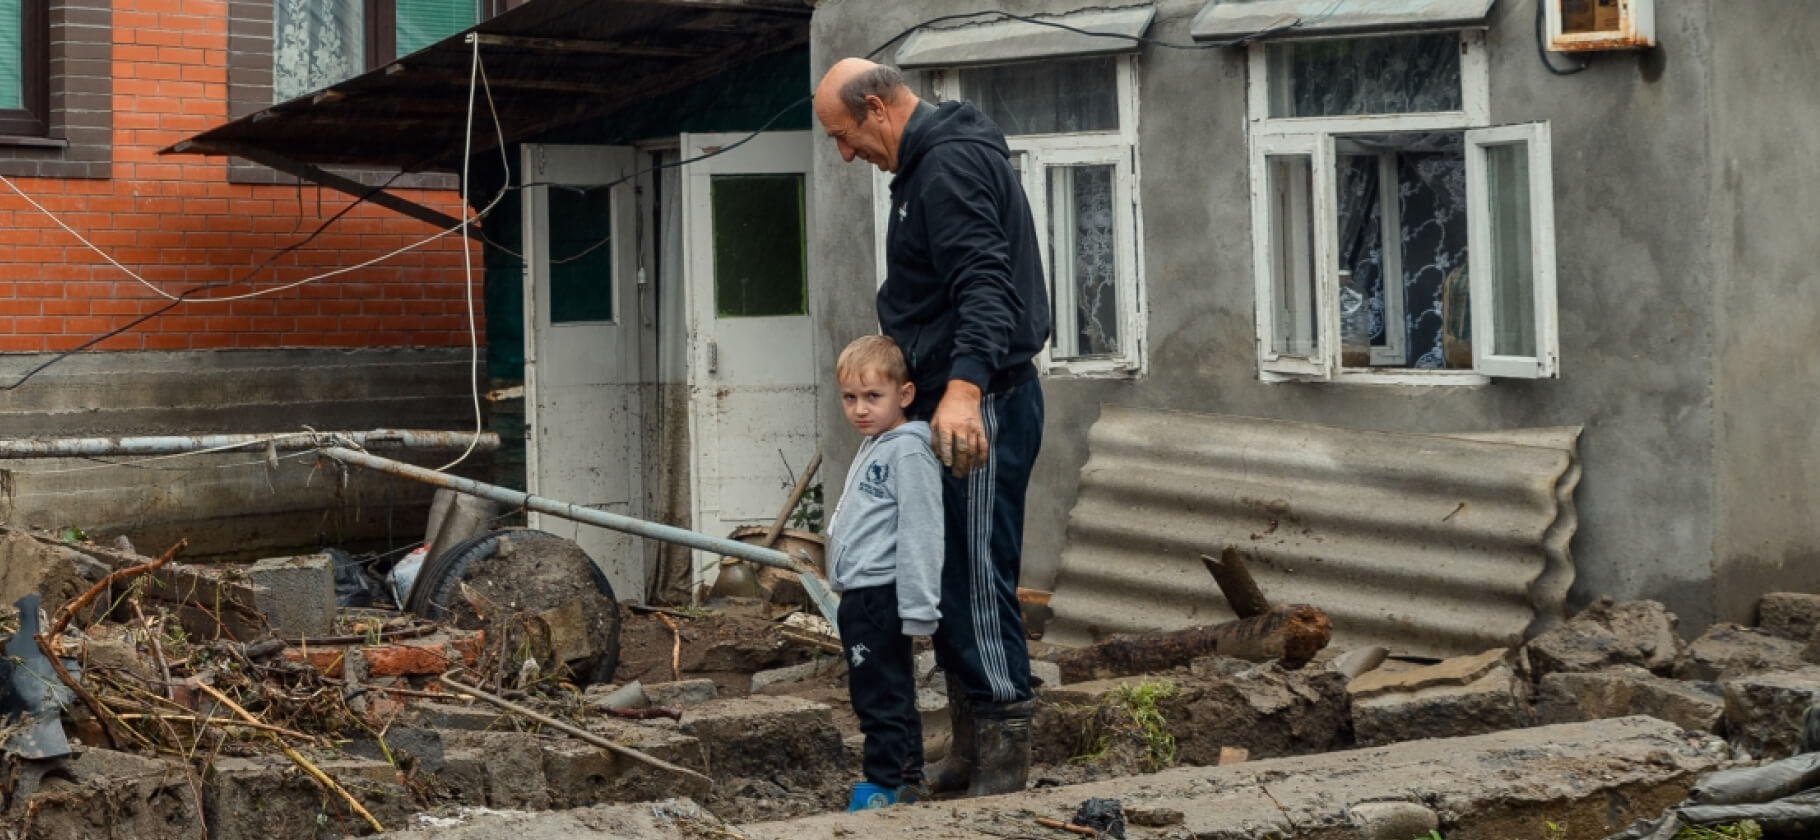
807, 516
1140, 701
1743, 830
1552, 830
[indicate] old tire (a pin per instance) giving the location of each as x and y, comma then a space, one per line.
437, 592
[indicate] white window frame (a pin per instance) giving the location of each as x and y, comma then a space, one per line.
1033, 156
1316, 137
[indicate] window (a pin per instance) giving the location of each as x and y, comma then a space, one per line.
1072, 128
1396, 234
760, 247
317, 43
24, 67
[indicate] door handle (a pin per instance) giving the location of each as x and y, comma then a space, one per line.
713, 357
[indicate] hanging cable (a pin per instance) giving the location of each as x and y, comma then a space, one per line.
1542, 43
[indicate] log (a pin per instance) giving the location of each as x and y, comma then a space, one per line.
1236, 583
1290, 633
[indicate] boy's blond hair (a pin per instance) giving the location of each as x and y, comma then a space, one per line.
876, 353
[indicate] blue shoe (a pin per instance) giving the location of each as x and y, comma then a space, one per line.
867, 796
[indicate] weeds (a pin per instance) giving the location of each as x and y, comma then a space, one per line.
1132, 714
1744, 830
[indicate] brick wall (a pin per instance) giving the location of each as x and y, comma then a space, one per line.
179, 221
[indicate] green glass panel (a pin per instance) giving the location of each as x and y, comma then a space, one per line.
581, 255
759, 264
12, 55
1512, 258
424, 22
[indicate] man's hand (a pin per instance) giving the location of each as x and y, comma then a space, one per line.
957, 433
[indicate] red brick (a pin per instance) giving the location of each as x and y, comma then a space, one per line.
406, 660
326, 660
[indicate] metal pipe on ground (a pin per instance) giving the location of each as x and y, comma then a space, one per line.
410, 440
566, 510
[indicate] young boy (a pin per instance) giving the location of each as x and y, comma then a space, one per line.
885, 539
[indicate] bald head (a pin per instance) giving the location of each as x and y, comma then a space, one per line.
863, 106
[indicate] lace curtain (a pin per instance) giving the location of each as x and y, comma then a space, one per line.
1431, 203
315, 43
1094, 263
1046, 97
1385, 75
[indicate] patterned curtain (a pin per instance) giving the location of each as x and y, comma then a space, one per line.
1095, 261
316, 43
1385, 75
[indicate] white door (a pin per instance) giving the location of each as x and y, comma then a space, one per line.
751, 347
583, 412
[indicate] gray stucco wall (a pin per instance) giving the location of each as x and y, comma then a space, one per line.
1765, 209
1633, 140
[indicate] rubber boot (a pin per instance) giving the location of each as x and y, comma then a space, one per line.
868, 796
954, 773
1001, 742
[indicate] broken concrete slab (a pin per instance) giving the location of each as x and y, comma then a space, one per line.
682, 693
1459, 670
1728, 650
57, 573
1608, 634
795, 673
297, 594
1498, 700
674, 818
580, 774
1570, 697
1789, 615
509, 766
1218, 704
1763, 712
1594, 776
452, 715
787, 739
260, 798
102, 793
1396, 820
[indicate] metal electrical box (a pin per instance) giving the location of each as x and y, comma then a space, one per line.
1583, 25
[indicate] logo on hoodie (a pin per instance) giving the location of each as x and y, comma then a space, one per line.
903, 211
877, 474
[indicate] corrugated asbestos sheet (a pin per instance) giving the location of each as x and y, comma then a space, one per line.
1427, 544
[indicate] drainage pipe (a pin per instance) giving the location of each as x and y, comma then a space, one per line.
566, 510
409, 440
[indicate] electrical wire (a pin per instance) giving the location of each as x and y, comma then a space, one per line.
467, 252
188, 296
1542, 44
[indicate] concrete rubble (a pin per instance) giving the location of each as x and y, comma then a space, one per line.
1593, 777
282, 691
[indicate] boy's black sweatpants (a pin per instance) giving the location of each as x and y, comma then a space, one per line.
881, 681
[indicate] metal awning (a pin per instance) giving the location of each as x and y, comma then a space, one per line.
550, 63
1225, 20
1112, 31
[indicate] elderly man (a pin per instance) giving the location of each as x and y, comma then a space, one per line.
965, 298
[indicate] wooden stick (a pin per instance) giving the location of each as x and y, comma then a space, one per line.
819, 642
796, 495
576, 731
164, 667
298, 759
675, 646
102, 714
1236, 583
215, 721
69, 610
1062, 826
1292, 633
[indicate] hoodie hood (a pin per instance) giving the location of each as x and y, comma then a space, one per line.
949, 122
918, 429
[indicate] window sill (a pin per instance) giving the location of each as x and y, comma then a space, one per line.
1411, 377
1095, 369
29, 142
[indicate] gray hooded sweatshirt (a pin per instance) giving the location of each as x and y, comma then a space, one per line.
887, 526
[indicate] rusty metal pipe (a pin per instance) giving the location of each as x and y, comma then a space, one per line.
410, 440
566, 510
